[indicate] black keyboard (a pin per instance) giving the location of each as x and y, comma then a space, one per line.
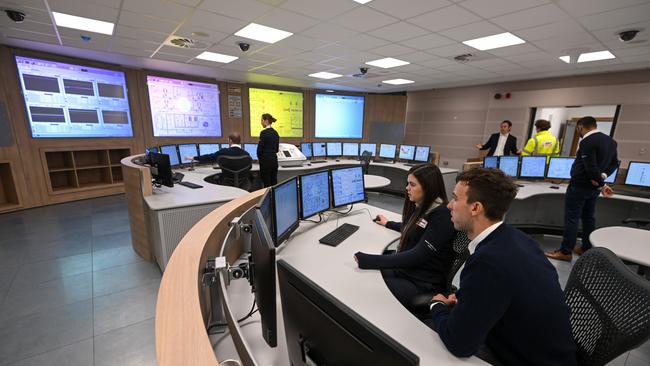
190, 185
409, 164
339, 234
177, 177
318, 161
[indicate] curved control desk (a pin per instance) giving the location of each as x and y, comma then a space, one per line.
627, 243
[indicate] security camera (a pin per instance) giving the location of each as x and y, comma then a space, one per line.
627, 35
15, 15
243, 46
363, 70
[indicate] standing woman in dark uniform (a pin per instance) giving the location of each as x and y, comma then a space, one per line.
267, 151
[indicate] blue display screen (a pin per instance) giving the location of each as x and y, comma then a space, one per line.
532, 166
422, 153
305, 147
187, 151
334, 149
490, 162
387, 151
319, 149
172, 152
638, 174
406, 152
509, 165
368, 147
560, 168
350, 149
285, 202
347, 186
252, 150
339, 116
612, 177
205, 149
314, 193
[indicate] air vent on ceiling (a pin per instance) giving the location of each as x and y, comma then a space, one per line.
464, 58
184, 42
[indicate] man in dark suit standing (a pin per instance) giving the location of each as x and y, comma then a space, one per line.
596, 159
509, 308
502, 143
234, 140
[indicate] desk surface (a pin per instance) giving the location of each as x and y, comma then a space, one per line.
375, 181
530, 189
364, 291
627, 243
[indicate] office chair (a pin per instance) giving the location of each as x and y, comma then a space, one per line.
365, 161
609, 307
235, 171
419, 304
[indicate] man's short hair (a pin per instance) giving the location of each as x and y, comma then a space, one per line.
508, 122
492, 188
589, 122
542, 124
234, 138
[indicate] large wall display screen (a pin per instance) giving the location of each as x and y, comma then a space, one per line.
182, 108
339, 116
284, 106
66, 100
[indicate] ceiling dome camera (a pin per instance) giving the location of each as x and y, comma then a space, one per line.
627, 35
363, 70
15, 15
243, 46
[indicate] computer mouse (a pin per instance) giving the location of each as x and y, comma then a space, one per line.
308, 164
337, 160
554, 187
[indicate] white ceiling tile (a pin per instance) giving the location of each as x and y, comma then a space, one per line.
514, 50
208, 20
301, 42
31, 14
29, 26
610, 38
637, 58
191, 3
363, 19
229, 45
580, 8
319, 9
472, 31
247, 10
329, 32
282, 50
287, 20
139, 52
544, 14
431, 40
141, 34
392, 50
452, 50
632, 51
334, 50
158, 8
85, 9
573, 40
363, 42
264, 57
121, 42
399, 31
185, 52
445, 18
404, 9
32, 4
530, 56
293, 62
211, 38
98, 42
557, 29
438, 62
492, 8
172, 57
38, 37
617, 18
146, 22
418, 56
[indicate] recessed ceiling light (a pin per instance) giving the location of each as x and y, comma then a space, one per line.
325, 75
216, 57
495, 41
329, 91
398, 81
595, 56
566, 59
81, 23
262, 33
387, 62
362, 1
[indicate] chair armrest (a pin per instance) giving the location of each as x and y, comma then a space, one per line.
419, 304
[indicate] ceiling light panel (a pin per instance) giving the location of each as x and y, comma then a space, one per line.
398, 81
595, 56
262, 33
325, 75
81, 23
494, 41
216, 57
388, 62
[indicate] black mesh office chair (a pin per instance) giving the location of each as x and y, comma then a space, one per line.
610, 307
235, 171
419, 304
365, 161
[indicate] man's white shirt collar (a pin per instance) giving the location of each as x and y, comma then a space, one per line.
479, 238
235, 145
590, 133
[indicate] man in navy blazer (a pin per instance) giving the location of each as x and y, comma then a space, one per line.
234, 140
502, 143
509, 308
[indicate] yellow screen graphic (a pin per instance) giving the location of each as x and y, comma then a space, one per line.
284, 106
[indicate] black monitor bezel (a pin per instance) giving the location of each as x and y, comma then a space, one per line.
178, 156
313, 150
327, 149
486, 157
628, 170
263, 285
386, 157
548, 166
521, 163
343, 149
331, 182
428, 153
329, 192
160, 162
508, 157
281, 237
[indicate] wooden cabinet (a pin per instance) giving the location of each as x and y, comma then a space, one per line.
83, 169
9, 199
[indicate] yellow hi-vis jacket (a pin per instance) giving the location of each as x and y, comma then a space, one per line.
543, 143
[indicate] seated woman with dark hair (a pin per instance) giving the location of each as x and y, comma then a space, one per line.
425, 253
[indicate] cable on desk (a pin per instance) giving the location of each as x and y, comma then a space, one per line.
320, 219
250, 313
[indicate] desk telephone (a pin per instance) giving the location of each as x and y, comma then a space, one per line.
290, 155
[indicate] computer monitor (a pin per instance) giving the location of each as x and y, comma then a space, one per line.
322, 330
147, 150
372, 148
314, 193
334, 149
252, 150
205, 149
305, 147
638, 174
172, 151
422, 154
560, 167
509, 165
262, 277
188, 150
406, 152
491, 162
612, 177
319, 149
347, 186
161, 170
285, 206
532, 167
265, 205
351, 149
225, 146
387, 151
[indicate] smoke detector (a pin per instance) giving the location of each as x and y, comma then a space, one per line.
185, 42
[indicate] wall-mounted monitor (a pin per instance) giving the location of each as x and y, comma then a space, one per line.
387, 151
285, 106
532, 167
372, 148
305, 148
66, 100
491, 162
339, 116
351, 149
183, 108
638, 174
334, 149
172, 151
252, 150
422, 154
509, 165
406, 152
319, 149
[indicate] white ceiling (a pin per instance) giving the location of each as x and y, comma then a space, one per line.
340, 35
